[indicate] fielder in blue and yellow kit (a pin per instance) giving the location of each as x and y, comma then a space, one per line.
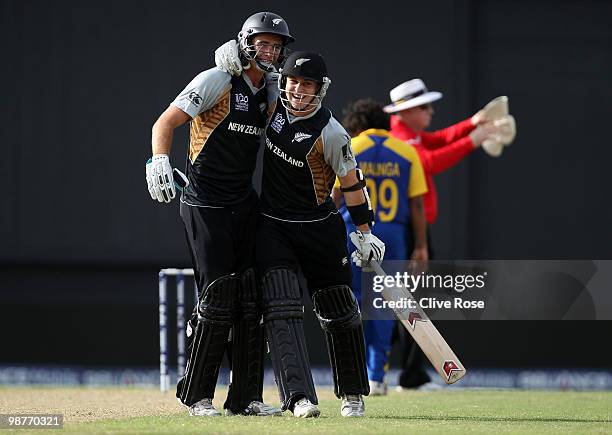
396, 185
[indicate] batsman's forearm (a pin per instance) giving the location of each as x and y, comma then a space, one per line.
419, 223
355, 198
336, 196
161, 138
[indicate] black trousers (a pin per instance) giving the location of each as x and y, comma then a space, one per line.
221, 240
318, 249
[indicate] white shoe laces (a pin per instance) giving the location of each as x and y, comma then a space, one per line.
262, 406
203, 406
353, 400
303, 401
205, 403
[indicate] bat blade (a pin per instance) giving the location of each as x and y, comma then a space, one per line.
425, 334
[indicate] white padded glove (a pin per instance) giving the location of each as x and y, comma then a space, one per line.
496, 108
159, 178
369, 248
227, 57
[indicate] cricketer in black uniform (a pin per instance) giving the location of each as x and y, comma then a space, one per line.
220, 209
301, 229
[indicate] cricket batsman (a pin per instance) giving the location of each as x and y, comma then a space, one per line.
219, 208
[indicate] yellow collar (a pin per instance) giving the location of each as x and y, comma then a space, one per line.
375, 131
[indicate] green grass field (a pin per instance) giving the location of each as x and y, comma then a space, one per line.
132, 410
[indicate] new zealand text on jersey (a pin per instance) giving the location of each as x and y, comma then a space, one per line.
380, 169
276, 150
247, 129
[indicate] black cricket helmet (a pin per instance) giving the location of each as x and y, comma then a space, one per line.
263, 22
306, 65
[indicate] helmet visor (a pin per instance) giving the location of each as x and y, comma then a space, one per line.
268, 56
296, 98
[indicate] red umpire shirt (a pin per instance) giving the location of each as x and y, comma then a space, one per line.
438, 151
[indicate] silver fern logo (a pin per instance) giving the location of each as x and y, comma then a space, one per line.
299, 137
300, 61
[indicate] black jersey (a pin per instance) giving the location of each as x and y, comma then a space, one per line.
302, 157
229, 116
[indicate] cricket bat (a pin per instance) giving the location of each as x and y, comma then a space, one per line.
429, 339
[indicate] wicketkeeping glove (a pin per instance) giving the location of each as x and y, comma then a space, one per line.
369, 248
227, 57
159, 178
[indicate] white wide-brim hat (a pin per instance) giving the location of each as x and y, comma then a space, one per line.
412, 93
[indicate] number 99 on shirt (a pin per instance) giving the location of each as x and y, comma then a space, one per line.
384, 198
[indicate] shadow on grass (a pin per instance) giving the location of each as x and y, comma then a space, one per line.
493, 419
439, 418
